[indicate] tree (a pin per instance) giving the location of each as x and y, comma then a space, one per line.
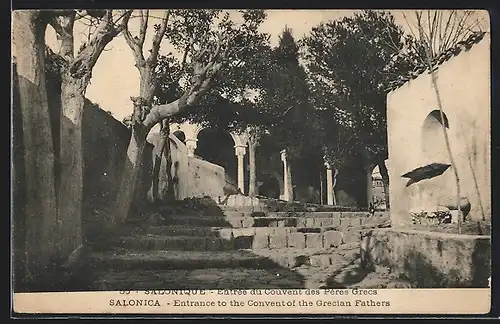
285, 96
53, 155
209, 44
354, 59
76, 72
40, 204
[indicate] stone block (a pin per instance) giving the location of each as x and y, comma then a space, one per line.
301, 222
225, 233
278, 241
314, 240
351, 237
321, 260
264, 230
231, 201
336, 219
297, 240
332, 239
310, 222
260, 242
248, 231
247, 222
326, 222
235, 222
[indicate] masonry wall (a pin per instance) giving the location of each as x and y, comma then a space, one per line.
193, 177
464, 86
430, 259
105, 142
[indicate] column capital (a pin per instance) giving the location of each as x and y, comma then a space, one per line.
283, 155
191, 144
240, 149
328, 165
192, 140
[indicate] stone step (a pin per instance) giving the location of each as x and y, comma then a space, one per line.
241, 222
312, 257
193, 279
198, 220
242, 203
181, 230
309, 214
181, 243
122, 260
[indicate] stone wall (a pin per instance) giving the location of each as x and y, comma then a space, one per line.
105, 142
194, 177
431, 259
416, 139
204, 178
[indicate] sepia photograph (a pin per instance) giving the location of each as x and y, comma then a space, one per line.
278, 150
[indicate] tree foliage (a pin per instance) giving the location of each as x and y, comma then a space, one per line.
285, 96
351, 61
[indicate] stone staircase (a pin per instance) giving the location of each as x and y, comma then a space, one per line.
242, 243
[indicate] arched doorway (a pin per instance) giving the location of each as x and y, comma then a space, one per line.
217, 147
433, 140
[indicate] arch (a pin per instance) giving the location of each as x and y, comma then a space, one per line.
180, 135
433, 142
197, 129
435, 115
274, 175
217, 146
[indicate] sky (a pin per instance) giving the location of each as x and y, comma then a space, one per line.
115, 78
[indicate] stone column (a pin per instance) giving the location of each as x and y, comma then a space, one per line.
329, 185
240, 154
286, 181
252, 188
369, 184
191, 146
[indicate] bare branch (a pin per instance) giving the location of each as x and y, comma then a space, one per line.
157, 38
134, 46
143, 28
86, 59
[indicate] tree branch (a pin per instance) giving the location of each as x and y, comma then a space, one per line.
63, 25
86, 59
143, 28
157, 38
134, 46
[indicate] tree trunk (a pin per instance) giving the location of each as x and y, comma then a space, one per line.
385, 180
253, 180
154, 189
135, 150
167, 192
130, 174
40, 204
70, 177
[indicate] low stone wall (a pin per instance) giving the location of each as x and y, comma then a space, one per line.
430, 259
205, 178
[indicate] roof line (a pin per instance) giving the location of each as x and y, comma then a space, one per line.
443, 57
